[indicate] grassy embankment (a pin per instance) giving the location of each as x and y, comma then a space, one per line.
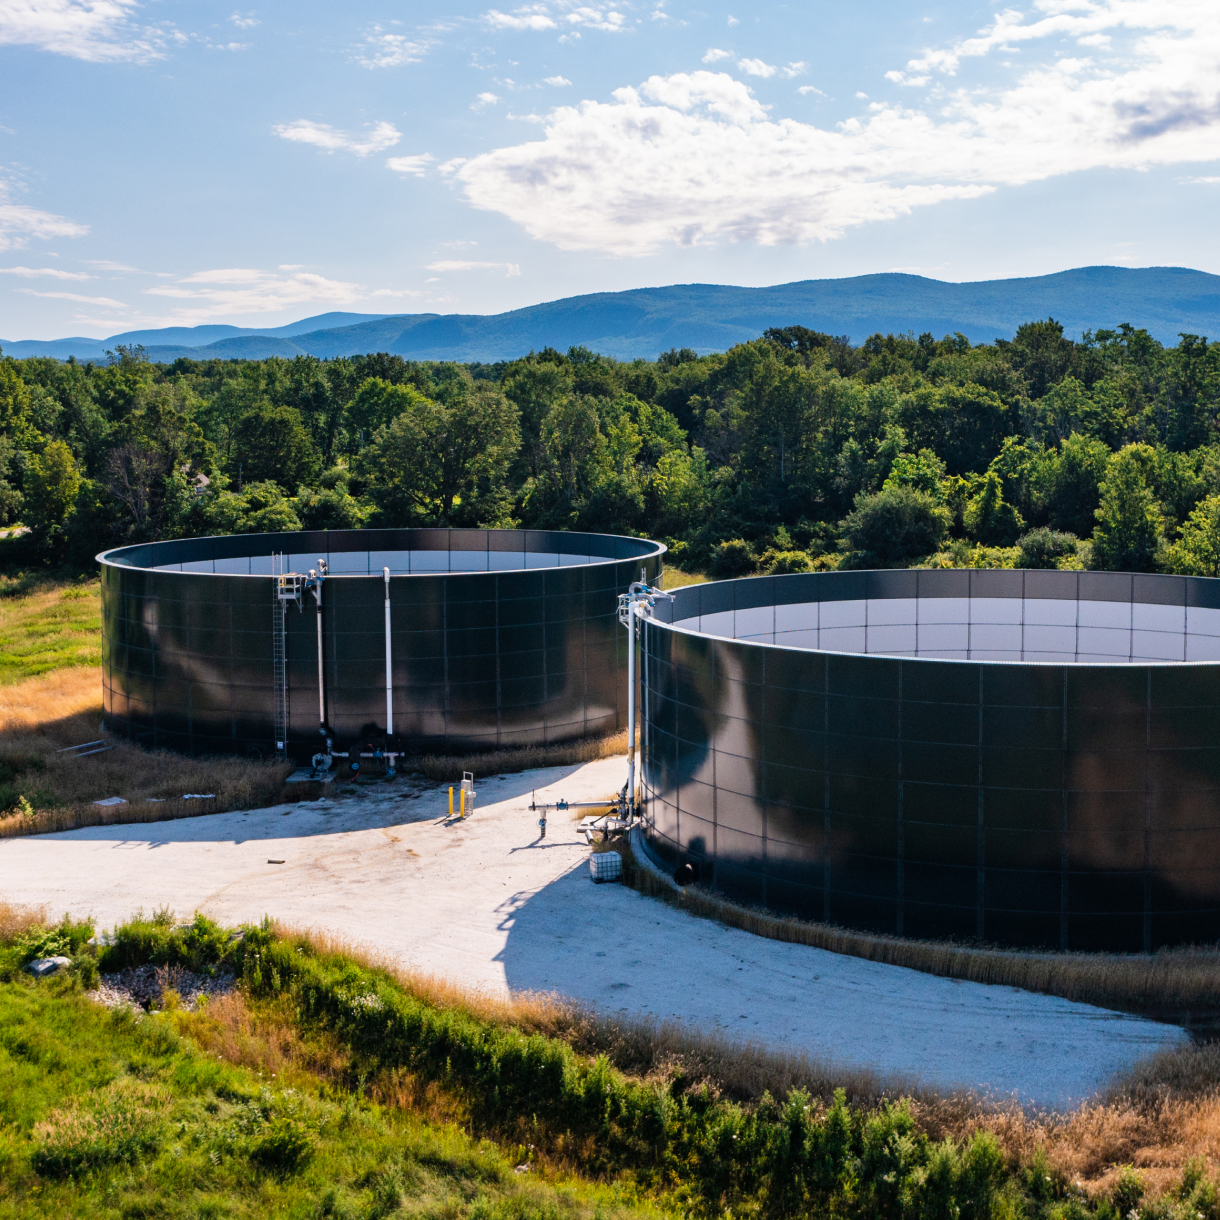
233, 1111
331, 1085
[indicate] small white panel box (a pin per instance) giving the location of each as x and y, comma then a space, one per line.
606, 866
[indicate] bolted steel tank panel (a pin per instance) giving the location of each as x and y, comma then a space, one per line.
1020, 758
498, 638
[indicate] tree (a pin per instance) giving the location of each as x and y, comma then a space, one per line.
436, 455
10, 497
375, 404
922, 471
965, 425
1129, 527
1197, 551
328, 509
988, 519
14, 405
272, 443
893, 528
1067, 483
1040, 351
52, 480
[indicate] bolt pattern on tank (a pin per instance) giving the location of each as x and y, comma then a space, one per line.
1020, 758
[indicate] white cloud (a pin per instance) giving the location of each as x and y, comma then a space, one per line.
695, 158
416, 165
449, 264
795, 68
382, 50
38, 273
19, 223
804, 89
571, 15
103, 264
245, 21
99, 31
596, 19
379, 137
756, 67
108, 302
1199, 181
715, 55
484, 99
557, 81
235, 291
733, 21
534, 18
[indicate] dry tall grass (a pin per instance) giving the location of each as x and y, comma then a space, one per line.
1180, 985
525, 758
41, 716
50, 697
14, 920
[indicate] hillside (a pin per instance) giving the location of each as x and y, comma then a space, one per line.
711, 317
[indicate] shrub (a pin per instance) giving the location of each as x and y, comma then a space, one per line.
783, 563
199, 945
893, 528
733, 558
1128, 1191
1045, 548
285, 1146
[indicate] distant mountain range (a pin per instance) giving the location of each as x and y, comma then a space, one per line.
708, 317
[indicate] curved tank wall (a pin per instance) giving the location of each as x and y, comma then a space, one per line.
498, 638
1022, 758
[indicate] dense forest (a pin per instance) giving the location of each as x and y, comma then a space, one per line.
793, 452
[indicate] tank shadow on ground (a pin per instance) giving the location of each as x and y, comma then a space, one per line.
622, 953
378, 806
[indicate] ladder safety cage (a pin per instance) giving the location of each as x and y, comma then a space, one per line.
288, 588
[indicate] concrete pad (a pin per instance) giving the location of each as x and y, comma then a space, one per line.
488, 904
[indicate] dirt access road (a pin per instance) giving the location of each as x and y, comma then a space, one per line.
486, 903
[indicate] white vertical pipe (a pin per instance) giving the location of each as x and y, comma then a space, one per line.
321, 684
631, 703
389, 667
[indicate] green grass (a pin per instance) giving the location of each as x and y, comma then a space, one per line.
46, 626
329, 1087
675, 578
110, 1114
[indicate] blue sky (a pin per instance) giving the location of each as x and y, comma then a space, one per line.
170, 163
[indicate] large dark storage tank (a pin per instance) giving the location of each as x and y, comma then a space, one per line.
1034, 759
498, 638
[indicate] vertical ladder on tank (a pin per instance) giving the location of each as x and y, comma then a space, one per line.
287, 589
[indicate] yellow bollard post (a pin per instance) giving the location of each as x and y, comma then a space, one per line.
451, 800
463, 803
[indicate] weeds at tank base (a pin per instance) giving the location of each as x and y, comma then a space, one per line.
1180, 985
331, 1084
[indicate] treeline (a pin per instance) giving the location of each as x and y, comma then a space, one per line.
793, 452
